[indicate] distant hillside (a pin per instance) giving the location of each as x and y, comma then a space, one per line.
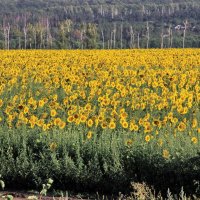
99, 23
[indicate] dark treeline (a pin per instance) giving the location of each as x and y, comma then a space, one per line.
109, 24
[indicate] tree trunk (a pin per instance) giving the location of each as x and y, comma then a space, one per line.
5, 37
35, 38
148, 35
25, 37
19, 40
8, 32
132, 37
25, 32
138, 40
103, 39
81, 40
170, 36
121, 36
162, 40
111, 40
114, 37
184, 32
171, 42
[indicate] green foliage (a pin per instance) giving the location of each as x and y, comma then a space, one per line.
105, 162
7, 197
67, 24
46, 187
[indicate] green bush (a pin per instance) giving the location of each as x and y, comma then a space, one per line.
108, 162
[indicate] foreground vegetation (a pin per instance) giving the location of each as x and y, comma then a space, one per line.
106, 163
99, 120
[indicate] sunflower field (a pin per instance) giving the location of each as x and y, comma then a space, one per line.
100, 118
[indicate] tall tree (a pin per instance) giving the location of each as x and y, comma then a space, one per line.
148, 36
6, 30
184, 31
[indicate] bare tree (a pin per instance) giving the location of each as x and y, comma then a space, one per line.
5, 37
148, 37
132, 38
6, 31
18, 31
184, 32
171, 42
112, 12
143, 10
170, 36
167, 35
35, 37
169, 11
81, 39
25, 31
103, 38
49, 37
162, 10
138, 40
83, 31
162, 39
101, 10
108, 44
121, 36
111, 39
19, 40
114, 36
25, 36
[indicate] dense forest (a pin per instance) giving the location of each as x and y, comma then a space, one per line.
102, 24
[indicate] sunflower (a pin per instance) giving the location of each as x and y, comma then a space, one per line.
166, 154
70, 119
160, 142
129, 142
194, 123
53, 113
26, 109
90, 122
135, 127
125, 124
194, 140
40, 122
57, 121
104, 125
1, 103
147, 138
181, 126
61, 124
124, 115
41, 103
147, 128
53, 146
89, 135
112, 125
157, 123
83, 118
44, 127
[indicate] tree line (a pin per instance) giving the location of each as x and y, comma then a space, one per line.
86, 24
